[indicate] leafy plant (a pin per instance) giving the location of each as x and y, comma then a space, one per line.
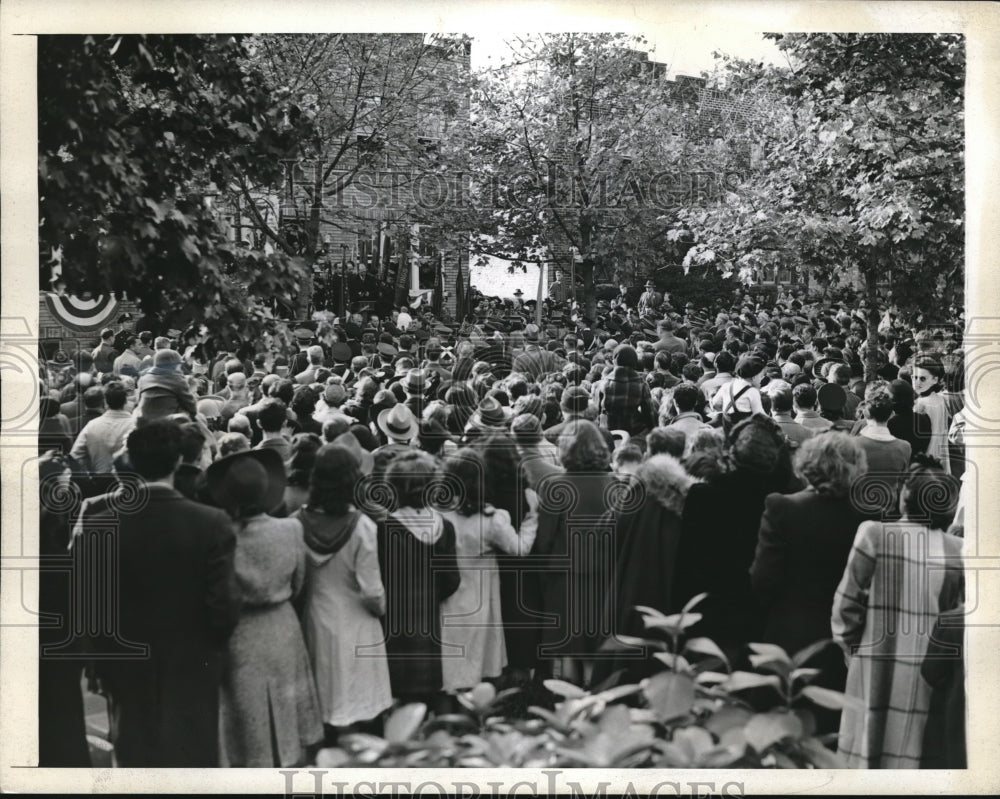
688, 715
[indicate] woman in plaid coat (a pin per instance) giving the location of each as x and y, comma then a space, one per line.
900, 576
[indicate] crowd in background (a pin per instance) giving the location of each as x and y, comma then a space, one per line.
311, 528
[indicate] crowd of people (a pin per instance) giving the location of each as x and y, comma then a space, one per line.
384, 511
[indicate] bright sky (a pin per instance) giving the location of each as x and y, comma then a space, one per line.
686, 48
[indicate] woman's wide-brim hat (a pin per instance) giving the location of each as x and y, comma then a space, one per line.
398, 423
254, 477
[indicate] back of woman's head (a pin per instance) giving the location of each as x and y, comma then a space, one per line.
582, 448
879, 401
929, 495
463, 486
410, 476
333, 480
756, 446
830, 463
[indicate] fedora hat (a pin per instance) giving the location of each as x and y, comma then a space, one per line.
251, 477
490, 415
416, 381
349, 441
398, 423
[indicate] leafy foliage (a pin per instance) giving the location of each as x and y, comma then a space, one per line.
859, 164
687, 716
134, 131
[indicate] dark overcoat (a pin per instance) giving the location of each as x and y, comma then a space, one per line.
175, 593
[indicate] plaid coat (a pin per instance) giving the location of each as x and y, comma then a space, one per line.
899, 577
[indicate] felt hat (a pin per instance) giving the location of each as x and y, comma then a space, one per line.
490, 415
831, 397
416, 381
398, 423
252, 477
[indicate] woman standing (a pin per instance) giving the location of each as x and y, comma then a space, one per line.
576, 531
416, 554
719, 530
344, 597
472, 627
269, 709
900, 576
928, 380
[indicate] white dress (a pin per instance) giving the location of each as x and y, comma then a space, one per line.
472, 637
343, 594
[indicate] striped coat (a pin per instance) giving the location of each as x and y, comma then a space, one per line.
895, 585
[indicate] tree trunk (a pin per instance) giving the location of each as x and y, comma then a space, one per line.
871, 349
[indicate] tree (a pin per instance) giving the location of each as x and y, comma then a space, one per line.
861, 141
581, 143
134, 132
382, 108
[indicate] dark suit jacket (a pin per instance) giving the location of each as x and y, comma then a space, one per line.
802, 549
177, 598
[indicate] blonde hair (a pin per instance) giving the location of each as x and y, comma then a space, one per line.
830, 462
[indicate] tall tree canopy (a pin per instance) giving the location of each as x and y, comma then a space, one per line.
861, 145
133, 132
581, 143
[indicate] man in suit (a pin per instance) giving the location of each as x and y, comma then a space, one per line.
651, 299
176, 602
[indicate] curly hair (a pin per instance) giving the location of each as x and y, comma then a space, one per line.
929, 493
831, 462
467, 468
582, 448
410, 475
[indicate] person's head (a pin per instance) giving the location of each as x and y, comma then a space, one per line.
410, 475
879, 401
232, 442
93, 398
928, 376
240, 424
804, 396
757, 446
192, 444
332, 428
272, 416
830, 462
840, 374
314, 354
665, 328
237, 383
154, 449
929, 494
666, 440
107, 335
626, 459
750, 368
685, 396
725, 362
333, 479
575, 400
464, 474
583, 448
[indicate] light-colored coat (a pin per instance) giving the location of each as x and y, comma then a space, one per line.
895, 585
